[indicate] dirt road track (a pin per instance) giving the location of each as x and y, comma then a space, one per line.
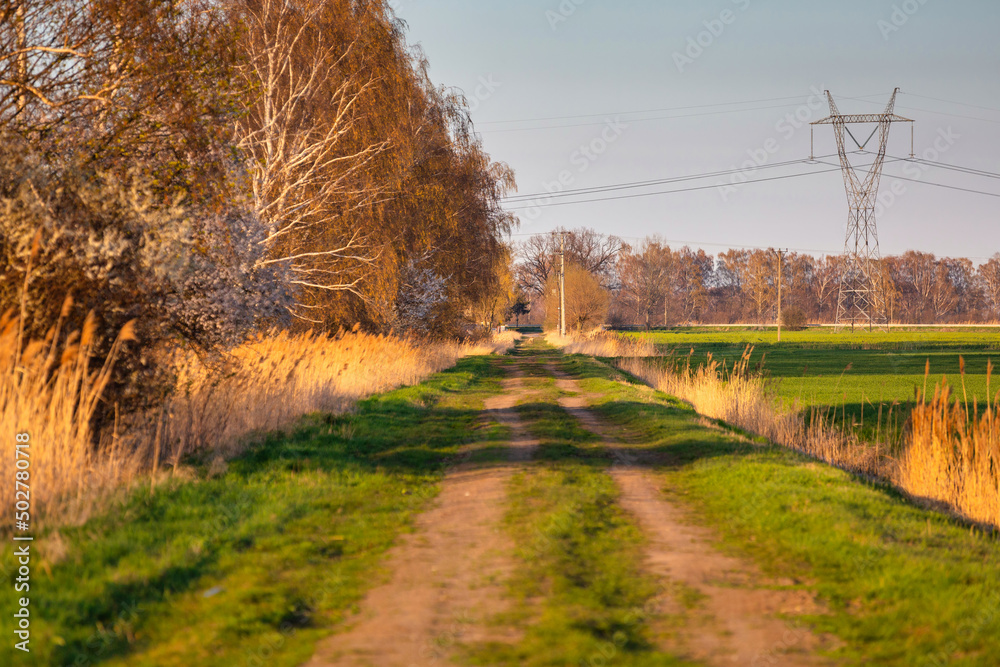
739, 622
447, 577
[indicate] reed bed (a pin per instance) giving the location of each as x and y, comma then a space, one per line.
274, 380
740, 397
49, 390
950, 450
599, 343
953, 454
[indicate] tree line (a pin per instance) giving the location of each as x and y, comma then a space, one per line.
652, 284
213, 169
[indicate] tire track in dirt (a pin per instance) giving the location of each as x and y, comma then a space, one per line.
448, 576
737, 622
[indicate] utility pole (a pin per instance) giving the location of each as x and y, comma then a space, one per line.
781, 262
562, 284
862, 290
21, 64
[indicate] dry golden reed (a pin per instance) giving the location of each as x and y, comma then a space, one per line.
950, 453
953, 453
599, 343
49, 390
275, 379
738, 396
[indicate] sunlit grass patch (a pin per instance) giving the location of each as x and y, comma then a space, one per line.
904, 585
266, 557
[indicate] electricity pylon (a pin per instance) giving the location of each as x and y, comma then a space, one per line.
862, 299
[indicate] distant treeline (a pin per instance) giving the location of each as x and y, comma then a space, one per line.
652, 284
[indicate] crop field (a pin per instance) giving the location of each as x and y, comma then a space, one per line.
859, 376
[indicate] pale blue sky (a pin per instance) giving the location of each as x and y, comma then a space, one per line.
523, 59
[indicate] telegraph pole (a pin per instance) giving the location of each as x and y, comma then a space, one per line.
21, 43
781, 257
562, 284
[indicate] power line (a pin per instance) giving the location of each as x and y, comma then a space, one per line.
635, 120
667, 192
949, 187
611, 188
952, 115
641, 184
623, 113
964, 170
758, 180
961, 104
937, 185
522, 199
937, 113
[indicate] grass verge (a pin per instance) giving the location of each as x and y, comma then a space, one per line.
904, 585
253, 564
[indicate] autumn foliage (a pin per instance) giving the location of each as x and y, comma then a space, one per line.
224, 187
212, 169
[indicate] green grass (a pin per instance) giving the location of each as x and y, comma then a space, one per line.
849, 375
255, 565
260, 562
580, 595
904, 585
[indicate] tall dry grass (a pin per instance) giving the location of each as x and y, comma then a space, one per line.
953, 453
599, 343
272, 381
950, 451
738, 396
49, 390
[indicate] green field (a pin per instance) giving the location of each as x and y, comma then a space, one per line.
850, 373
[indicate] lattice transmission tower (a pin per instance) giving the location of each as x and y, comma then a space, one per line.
862, 300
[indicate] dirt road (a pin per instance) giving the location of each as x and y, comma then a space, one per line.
447, 578
739, 622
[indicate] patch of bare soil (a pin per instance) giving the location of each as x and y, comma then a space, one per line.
739, 618
447, 577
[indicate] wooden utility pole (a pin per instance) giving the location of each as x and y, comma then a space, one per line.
781, 257
562, 284
21, 44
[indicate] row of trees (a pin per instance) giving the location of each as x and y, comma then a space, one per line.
210, 168
652, 284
